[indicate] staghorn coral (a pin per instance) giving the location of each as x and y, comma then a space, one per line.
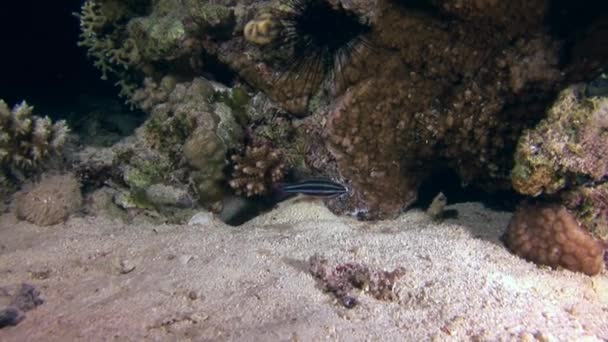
342, 279
27, 140
50, 201
257, 170
548, 234
566, 149
103, 35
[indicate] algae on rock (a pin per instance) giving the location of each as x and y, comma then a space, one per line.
567, 149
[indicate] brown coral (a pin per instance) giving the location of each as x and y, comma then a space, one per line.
548, 234
443, 101
257, 170
50, 201
343, 278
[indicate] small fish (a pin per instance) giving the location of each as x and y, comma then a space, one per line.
313, 187
255, 206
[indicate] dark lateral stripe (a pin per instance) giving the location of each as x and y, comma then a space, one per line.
315, 188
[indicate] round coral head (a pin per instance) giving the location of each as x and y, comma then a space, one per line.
548, 234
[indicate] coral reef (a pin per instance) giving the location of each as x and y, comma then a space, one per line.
27, 141
548, 234
134, 39
387, 131
103, 34
50, 201
438, 85
191, 128
257, 170
175, 162
342, 279
590, 206
566, 149
563, 159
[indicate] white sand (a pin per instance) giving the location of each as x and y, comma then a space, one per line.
251, 282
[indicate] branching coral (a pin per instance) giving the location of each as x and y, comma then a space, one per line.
548, 234
27, 140
257, 170
102, 36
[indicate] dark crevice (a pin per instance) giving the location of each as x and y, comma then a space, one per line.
217, 71
573, 22
446, 180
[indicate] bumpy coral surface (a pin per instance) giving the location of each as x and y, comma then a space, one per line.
566, 149
590, 205
192, 128
50, 201
27, 140
548, 234
132, 39
257, 170
447, 84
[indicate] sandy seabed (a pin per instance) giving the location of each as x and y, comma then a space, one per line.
102, 279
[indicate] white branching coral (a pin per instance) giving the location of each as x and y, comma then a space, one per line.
25, 139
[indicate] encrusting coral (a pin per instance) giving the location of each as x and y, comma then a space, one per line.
175, 161
566, 149
257, 170
50, 201
548, 234
27, 140
590, 205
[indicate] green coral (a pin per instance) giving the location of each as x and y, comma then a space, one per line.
157, 38
195, 130
237, 99
104, 38
211, 16
104, 35
566, 149
26, 140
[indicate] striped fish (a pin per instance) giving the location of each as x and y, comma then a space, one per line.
314, 187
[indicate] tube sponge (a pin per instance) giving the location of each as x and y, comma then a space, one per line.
26, 140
